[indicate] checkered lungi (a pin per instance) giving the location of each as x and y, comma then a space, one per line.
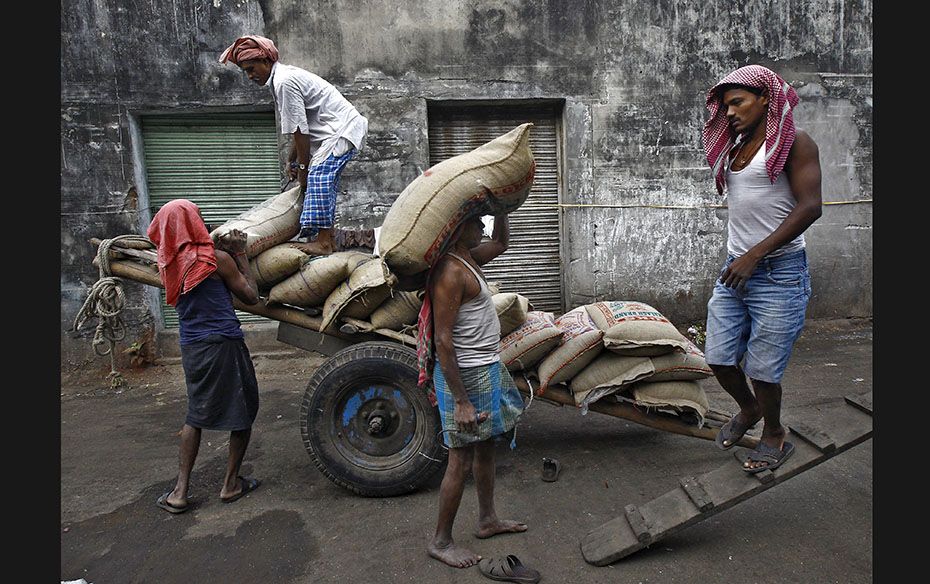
490, 389
319, 210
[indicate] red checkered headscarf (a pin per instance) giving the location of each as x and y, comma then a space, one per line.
248, 48
779, 124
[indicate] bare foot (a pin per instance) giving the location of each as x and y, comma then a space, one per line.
486, 530
453, 555
313, 248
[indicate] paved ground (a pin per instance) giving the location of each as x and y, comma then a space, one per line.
119, 452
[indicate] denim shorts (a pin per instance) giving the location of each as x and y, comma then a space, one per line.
756, 325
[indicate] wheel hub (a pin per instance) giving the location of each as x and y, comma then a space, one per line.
374, 423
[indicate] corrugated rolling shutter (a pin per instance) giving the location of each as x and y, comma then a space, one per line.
226, 163
531, 266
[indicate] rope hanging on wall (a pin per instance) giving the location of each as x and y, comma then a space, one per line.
105, 301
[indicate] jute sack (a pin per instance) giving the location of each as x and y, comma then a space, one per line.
316, 279
635, 328
398, 311
672, 396
607, 374
530, 341
681, 366
491, 179
580, 344
367, 287
511, 310
273, 221
275, 264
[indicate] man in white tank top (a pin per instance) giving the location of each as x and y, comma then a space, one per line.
476, 396
757, 309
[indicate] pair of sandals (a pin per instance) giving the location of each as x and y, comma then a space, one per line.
772, 457
248, 485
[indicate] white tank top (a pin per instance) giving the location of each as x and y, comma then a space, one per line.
757, 207
476, 334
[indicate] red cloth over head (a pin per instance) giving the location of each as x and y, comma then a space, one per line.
185, 250
718, 138
248, 48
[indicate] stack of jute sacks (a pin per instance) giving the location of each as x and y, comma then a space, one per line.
626, 348
492, 179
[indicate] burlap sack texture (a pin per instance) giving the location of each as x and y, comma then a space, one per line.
530, 341
367, 287
273, 221
399, 311
491, 179
511, 310
275, 264
636, 329
581, 343
316, 279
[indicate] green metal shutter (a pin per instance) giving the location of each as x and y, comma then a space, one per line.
531, 266
226, 163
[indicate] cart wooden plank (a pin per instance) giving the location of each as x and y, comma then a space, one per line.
724, 487
561, 394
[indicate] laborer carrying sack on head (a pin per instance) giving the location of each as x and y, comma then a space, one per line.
327, 132
458, 347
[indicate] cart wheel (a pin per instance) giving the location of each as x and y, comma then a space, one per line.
366, 424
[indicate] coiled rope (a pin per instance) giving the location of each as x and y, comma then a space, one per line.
105, 301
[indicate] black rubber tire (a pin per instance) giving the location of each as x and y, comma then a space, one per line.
388, 370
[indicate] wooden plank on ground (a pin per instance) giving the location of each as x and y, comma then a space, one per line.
723, 488
863, 402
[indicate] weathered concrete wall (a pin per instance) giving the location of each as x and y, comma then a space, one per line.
633, 75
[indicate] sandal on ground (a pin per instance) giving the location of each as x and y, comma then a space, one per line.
509, 569
732, 431
248, 485
771, 456
162, 502
551, 469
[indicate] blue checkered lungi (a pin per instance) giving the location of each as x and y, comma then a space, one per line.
490, 389
319, 210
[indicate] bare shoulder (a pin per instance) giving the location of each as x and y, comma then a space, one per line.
803, 143
225, 264
446, 268
449, 277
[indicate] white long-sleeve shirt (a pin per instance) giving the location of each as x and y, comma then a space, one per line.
308, 102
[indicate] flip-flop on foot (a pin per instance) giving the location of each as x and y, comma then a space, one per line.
162, 502
509, 569
731, 432
248, 485
771, 456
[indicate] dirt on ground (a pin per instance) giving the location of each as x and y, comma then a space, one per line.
119, 453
